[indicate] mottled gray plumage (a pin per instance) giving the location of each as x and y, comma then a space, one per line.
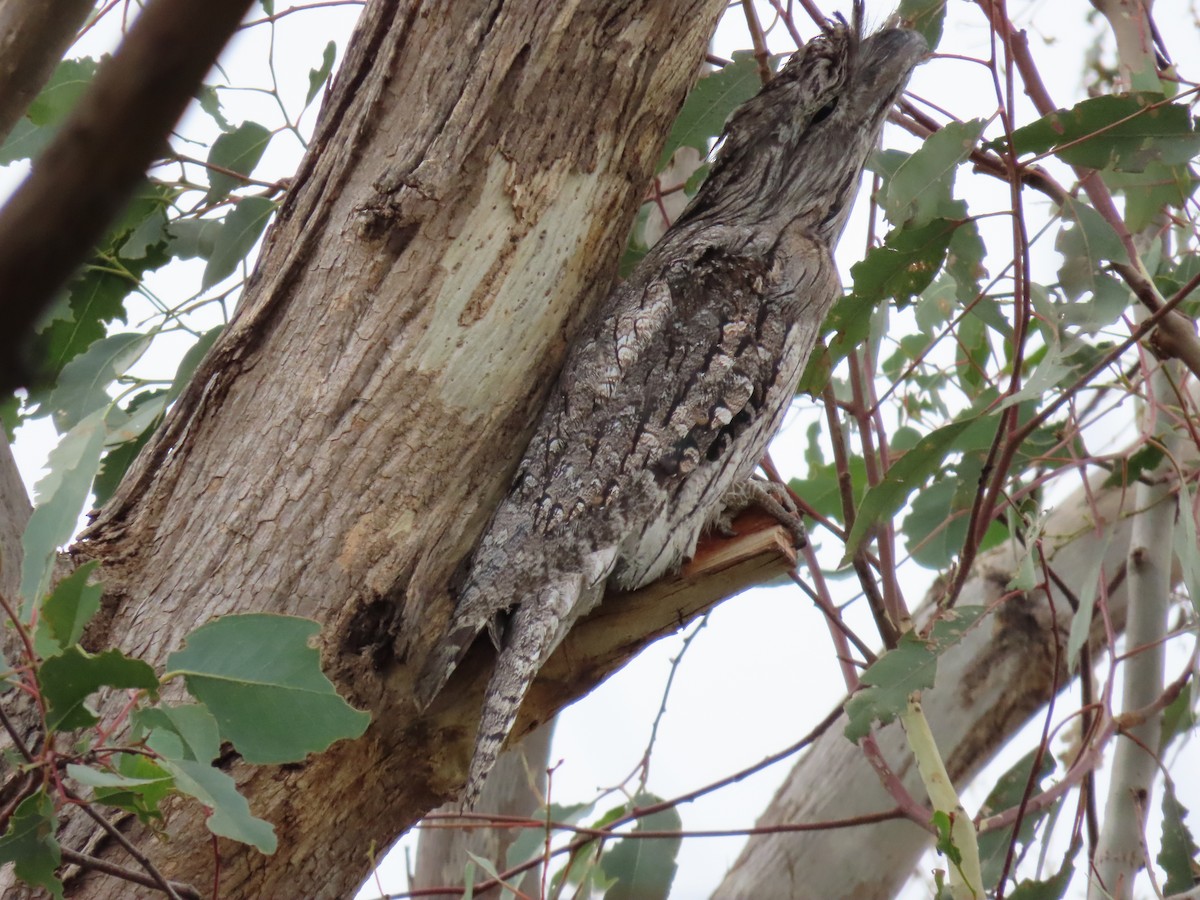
671, 394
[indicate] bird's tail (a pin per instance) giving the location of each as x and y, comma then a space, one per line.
535, 629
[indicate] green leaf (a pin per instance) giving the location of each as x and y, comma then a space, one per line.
103, 778
1053, 888
905, 265
229, 812
184, 731
924, 182
1187, 553
1179, 852
83, 383
1178, 718
45, 114
1110, 299
910, 667
186, 740
643, 868
142, 227
489, 869
849, 321
238, 235
820, 488
964, 263
935, 308
260, 679
911, 471
709, 104
30, 844
139, 785
60, 497
886, 163
210, 102
531, 842
317, 77
1084, 245
136, 426
191, 359
1061, 363
93, 300
67, 680
126, 423
1082, 135
926, 17
933, 534
944, 844
1147, 193
194, 238
67, 610
238, 151
1009, 789
1081, 622
583, 867
975, 351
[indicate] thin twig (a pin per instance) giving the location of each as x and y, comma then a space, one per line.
117, 835
184, 891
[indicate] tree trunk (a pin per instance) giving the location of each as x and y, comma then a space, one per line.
341, 446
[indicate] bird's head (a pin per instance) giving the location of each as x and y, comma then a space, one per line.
797, 148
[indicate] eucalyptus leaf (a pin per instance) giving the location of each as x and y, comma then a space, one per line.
318, 76
83, 383
235, 151
60, 494
1126, 132
923, 183
905, 265
709, 104
239, 233
263, 683
68, 679
910, 667
30, 843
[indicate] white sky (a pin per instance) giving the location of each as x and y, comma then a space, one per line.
761, 673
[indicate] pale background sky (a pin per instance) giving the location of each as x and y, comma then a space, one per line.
761, 673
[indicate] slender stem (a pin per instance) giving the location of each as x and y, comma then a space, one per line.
183, 891
117, 835
966, 876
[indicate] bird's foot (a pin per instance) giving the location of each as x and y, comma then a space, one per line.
769, 496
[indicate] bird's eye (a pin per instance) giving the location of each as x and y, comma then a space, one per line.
824, 112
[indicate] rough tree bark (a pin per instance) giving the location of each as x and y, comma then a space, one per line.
342, 444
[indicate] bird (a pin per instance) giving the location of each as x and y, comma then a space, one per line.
667, 400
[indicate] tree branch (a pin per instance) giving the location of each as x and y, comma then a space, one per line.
34, 37
84, 178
